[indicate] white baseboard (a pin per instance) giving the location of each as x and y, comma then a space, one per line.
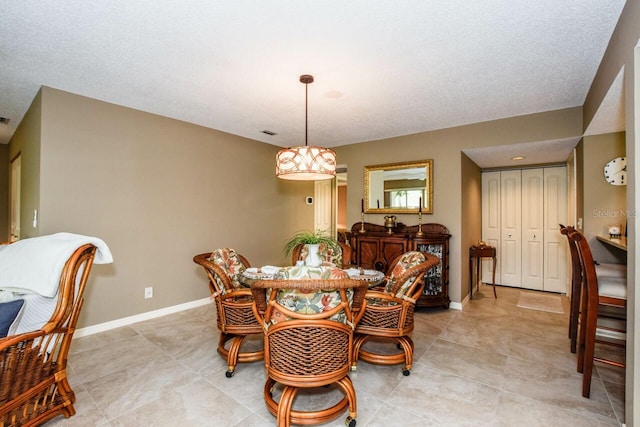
455, 305
125, 321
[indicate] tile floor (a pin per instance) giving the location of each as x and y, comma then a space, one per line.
492, 364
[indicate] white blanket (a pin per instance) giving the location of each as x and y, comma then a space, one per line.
35, 265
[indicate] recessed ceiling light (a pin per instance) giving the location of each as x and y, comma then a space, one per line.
518, 158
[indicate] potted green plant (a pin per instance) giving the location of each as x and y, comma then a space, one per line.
313, 239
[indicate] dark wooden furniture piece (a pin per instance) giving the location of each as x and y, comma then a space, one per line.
376, 249
234, 305
33, 365
476, 253
308, 338
593, 297
389, 311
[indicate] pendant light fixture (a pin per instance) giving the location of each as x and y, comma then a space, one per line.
306, 163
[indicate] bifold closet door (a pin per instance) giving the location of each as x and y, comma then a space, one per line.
532, 229
555, 244
521, 210
491, 222
510, 254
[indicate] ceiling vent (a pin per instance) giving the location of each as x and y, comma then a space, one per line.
4, 120
269, 132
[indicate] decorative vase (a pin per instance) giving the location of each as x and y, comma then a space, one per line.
313, 258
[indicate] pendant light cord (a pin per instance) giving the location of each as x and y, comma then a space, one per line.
306, 114
306, 79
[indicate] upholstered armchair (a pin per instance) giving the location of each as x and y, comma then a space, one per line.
234, 304
308, 328
389, 312
33, 356
338, 254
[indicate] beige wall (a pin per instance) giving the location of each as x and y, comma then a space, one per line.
471, 208
158, 191
623, 51
579, 187
4, 192
445, 147
26, 143
604, 204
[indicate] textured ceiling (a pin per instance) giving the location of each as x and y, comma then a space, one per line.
381, 68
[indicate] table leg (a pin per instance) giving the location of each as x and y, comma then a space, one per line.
478, 272
494, 277
470, 277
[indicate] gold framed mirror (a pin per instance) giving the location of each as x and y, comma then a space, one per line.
399, 187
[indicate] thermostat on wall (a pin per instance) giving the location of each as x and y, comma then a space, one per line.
309, 200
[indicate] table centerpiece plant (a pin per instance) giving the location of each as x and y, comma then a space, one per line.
313, 240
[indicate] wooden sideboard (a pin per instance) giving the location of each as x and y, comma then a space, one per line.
376, 248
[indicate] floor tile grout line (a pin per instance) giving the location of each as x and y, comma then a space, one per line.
443, 323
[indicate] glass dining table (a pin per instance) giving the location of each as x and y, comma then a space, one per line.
296, 272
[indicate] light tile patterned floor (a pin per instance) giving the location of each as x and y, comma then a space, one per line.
492, 364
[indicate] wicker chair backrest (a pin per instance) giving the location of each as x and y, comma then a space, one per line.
401, 280
308, 326
232, 265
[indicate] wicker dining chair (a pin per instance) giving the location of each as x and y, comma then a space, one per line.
389, 312
33, 365
590, 333
338, 254
234, 303
308, 329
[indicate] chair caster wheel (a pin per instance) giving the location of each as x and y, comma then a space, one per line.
354, 368
228, 374
350, 422
406, 372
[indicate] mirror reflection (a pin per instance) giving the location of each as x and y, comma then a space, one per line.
399, 187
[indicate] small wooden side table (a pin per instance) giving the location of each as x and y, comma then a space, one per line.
477, 252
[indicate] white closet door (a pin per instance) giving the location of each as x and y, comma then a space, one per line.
324, 206
14, 202
510, 218
555, 244
532, 229
491, 221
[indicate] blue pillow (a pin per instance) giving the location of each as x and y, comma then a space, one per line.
8, 313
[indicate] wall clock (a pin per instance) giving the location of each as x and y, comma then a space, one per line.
615, 171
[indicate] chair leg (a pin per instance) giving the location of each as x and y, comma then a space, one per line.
582, 333
234, 350
347, 386
574, 315
407, 347
233, 355
283, 418
405, 343
358, 341
589, 347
